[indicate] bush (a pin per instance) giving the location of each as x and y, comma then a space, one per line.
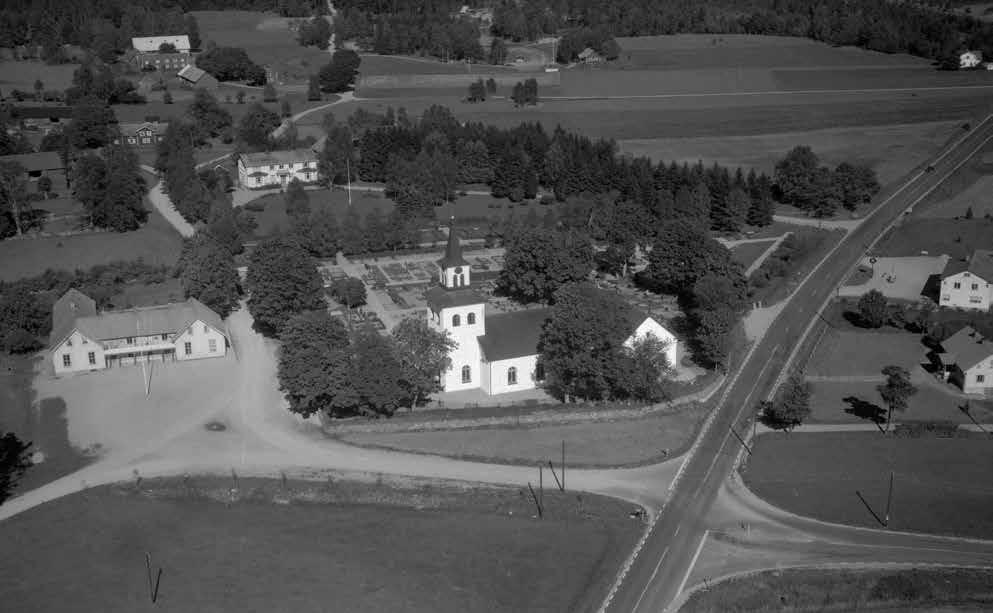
930, 429
20, 340
255, 205
546, 200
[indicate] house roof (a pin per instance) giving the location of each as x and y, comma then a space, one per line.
513, 335
318, 146
439, 298
293, 156
587, 52
980, 263
129, 129
453, 250
148, 44
164, 319
42, 112
71, 305
968, 347
191, 73
46, 160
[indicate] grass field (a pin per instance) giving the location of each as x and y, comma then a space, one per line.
149, 294
266, 38
616, 443
746, 253
941, 485
955, 237
841, 354
968, 186
859, 402
373, 64
890, 150
931, 590
358, 547
156, 242
22, 75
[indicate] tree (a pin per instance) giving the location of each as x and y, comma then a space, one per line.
339, 74
90, 127
14, 461
498, 51
791, 405
682, 254
282, 281
795, 176
968, 212
646, 374
714, 291
477, 91
474, 163
231, 64
858, 184
313, 361
209, 118
284, 108
731, 213
422, 352
297, 200
269, 93
256, 125
712, 335
23, 319
349, 292
896, 391
192, 31
315, 32
39, 89
873, 309
13, 192
581, 345
240, 97
313, 88
538, 262
167, 97
762, 208
207, 272
122, 207
44, 186
375, 375
167, 48
491, 86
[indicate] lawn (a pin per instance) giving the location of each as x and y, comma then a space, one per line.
336, 546
859, 402
795, 257
266, 38
22, 75
149, 294
615, 443
955, 237
941, 485
403, 65
969, 186
156, 242
891, 151
747, 253
848, 354
923, 590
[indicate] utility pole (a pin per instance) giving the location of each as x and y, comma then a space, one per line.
348, 177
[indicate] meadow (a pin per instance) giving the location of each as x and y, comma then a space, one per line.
22, 75
935, 236
268, 40
347, 546
747, 253
373, 64
941, 485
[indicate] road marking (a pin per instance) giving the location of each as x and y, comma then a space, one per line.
872, 243
651, 580
689, 570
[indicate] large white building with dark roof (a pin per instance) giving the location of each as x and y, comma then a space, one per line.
498, 353
968, 283
276, 168
83, 339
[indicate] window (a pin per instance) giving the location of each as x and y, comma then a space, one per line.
466, 374
165, 337
975, 286
456, 321
188, 348
132, 140
92, 357
68, 342
130, 340
145, 140
85, 341
965, 274
539, 372
512, 375
470, 318
461, 279
205, 329
212, 345
957, 285
975, 299
67, 360
945, 297
980, 378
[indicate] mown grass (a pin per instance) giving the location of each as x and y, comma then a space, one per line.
746, 253
331, 546
941, 485
956, 237
797, 589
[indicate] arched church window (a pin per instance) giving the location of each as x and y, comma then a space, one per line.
456, 321
470, 319
466, 374
512, 376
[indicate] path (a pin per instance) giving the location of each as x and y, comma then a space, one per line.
160, 200
827, 224
765, 254
282, 127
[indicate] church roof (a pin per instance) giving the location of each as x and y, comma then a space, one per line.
453, 251
439, 298
513, 335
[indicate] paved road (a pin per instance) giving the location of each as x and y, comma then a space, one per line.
661, 569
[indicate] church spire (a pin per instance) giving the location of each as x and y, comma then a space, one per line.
453, 251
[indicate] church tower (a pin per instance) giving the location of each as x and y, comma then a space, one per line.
455, 307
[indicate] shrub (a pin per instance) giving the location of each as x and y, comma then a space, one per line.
255, 205
20, 340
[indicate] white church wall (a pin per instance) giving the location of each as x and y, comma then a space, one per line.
650, 326
466, 352
497, 375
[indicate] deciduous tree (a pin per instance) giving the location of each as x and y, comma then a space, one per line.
422, 352
313, 362
873, 309
207, 272
14, 461
538, 262
282, 281
792, 404
297, 200
896, 391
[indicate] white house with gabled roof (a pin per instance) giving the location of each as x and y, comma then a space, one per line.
84, 339
277, 168
968, 283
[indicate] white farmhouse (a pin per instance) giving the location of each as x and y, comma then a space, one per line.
276, 168
83, 339
968, 284
499, 353
968, 359
970, 59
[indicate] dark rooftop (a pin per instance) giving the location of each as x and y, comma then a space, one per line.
513, 335
453, 251
979, 264
968, 346
440, 298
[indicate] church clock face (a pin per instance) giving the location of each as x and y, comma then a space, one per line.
458, 270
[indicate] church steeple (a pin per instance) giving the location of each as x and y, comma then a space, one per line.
454, 267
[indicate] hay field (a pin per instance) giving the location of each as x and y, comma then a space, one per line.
22, 74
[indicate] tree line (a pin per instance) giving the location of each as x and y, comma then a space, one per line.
409, 28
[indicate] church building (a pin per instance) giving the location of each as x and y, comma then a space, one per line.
498, 353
